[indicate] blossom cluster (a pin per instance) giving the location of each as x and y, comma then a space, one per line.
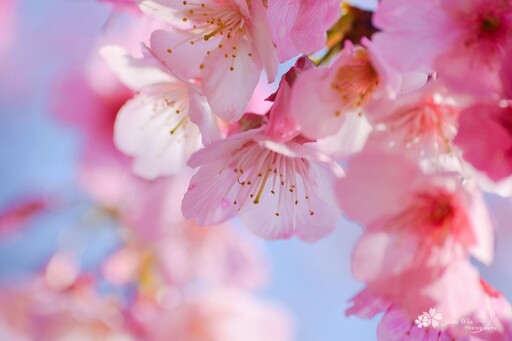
166, 278
292, 120
398, 131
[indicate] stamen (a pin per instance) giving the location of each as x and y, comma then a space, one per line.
262, 186
180, 123
253, 165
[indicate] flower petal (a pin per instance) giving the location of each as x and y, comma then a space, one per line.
228, 82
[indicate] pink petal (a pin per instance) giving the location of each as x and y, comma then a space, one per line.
205, 200
485, 139
380, 254
350, 139
202, 116
135, 73
377, 185
174, 49
260, 32
314, 105
145, 133
483, 229
480, 78
367, 305
448, 296
313, 20
282, 15
229, 82
301, 26
413, 34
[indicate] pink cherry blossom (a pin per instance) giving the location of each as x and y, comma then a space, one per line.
221, 315
453, 38
162, 248
36, 311
422, 122
159, 126
102, 170
278, 189
323, 97
90, 97
440, 210
228, 42
301, 26
188, 255
278, 184
419, 230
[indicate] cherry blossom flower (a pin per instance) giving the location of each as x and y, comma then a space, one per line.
36, 311
419, 230
453, 38
277, 183
301, 26
279, 189
422, 122
221, 315
434, 84
187, 255
159, 126
229, 42
323, 97
90, 96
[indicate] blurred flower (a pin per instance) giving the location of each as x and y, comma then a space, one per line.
453, 38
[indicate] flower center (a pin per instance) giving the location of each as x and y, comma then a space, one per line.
434, 216
428, 122
490, 23
441, 211
224, 22
356, 81
261, 173
169, 108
